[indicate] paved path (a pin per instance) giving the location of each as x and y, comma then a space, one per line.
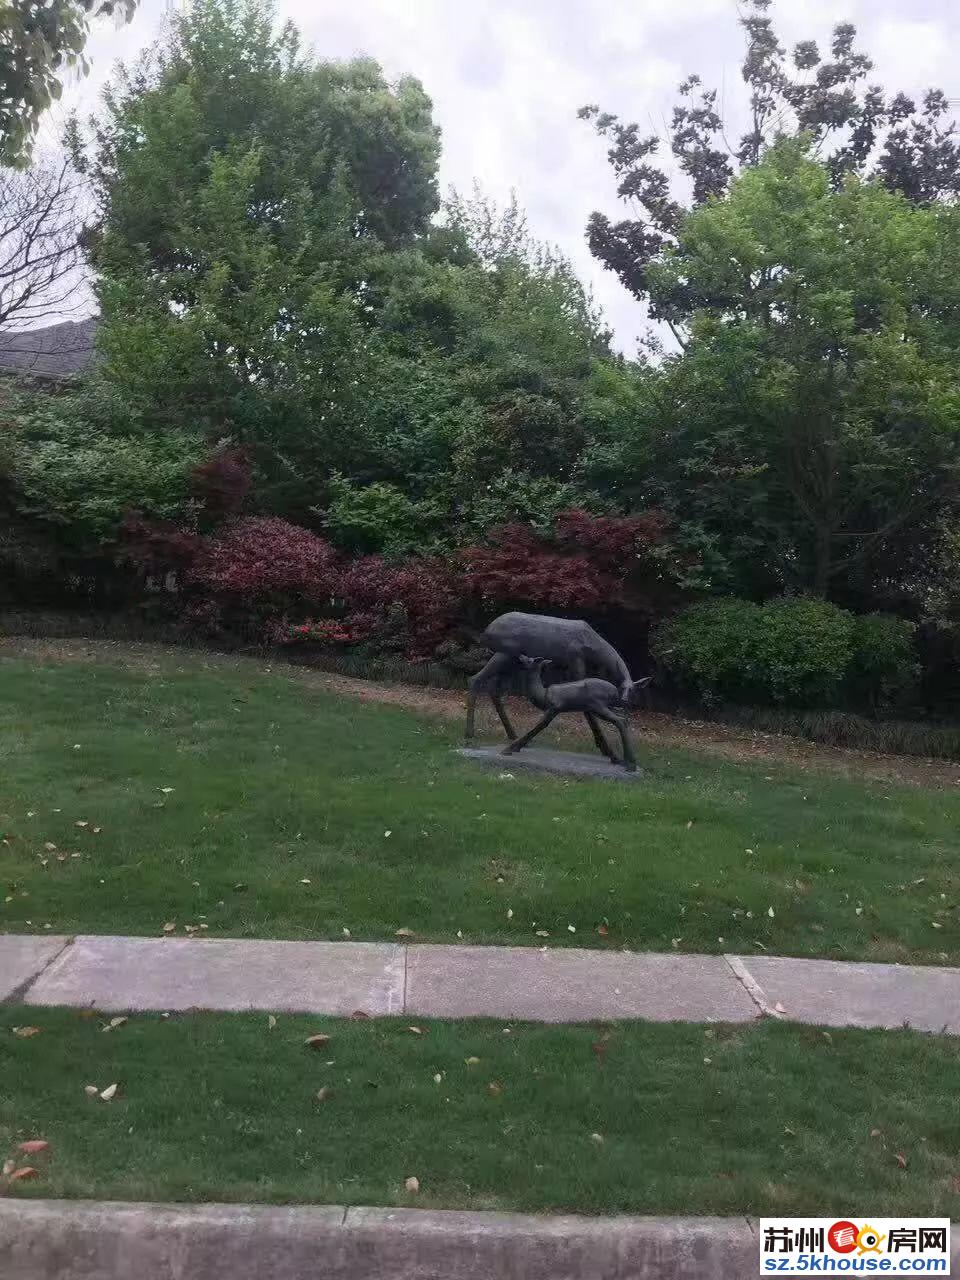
422, 980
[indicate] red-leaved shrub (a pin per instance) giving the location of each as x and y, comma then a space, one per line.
408, 607
156, 546
262, 560
588, 562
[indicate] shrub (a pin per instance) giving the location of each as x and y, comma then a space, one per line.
262, 561
804, 647
404, 608
587, 562
708, 648
788, 652
883, 664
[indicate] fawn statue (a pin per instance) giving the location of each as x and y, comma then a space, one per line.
593, 698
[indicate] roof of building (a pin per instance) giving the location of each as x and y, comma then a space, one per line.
57, 351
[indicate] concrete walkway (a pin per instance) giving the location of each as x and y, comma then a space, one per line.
423, 980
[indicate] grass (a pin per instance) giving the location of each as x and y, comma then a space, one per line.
762, 1119
243, 800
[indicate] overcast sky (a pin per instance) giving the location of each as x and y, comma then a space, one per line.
507, 76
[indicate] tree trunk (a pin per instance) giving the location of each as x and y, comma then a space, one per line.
823, 562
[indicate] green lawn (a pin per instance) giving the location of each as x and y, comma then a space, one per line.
245, 801
768, 1118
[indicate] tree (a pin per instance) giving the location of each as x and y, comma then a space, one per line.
853, 125
38, 40
812, 422
244, 190
42, 218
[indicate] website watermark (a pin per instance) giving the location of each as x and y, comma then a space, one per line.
843, 1246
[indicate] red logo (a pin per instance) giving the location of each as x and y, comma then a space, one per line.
843, 1237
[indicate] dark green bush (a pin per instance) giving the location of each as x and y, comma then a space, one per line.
792, 652
884, 663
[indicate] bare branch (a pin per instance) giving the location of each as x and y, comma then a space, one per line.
43, 213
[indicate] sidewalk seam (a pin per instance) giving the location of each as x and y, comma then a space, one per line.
406, 955
752, 987
18, 994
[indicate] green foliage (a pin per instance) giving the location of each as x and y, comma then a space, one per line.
78, 471
884, 658
39, 39
268, 273
790, 651
374, 517
811, 424
857, 129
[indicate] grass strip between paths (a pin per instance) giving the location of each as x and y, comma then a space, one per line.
761, 1119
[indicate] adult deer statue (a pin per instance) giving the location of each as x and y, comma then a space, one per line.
594, 698
569, 642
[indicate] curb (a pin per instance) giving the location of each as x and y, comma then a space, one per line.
87, 1240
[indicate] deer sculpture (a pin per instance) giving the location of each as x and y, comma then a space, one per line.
594, 698
568, 642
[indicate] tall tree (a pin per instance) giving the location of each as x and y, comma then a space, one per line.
855, 127
244, 189
811, 425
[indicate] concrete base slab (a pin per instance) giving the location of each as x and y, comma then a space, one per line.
22, 958
572, 985
841, 993
63, 1240
564, 764
186, 973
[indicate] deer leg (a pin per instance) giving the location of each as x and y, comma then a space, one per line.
629, 761
487, 680
522, 741
603, 746
496, 697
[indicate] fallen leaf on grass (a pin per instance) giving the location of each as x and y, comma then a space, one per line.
26, 1172
33, 1147
542, 933
495, 1088
596, 1137
876, 1133
317, 1041
415, 1031
324, 1094
271, 1022
113, 1024
91, 1090
405, 933
901, 1160
412, 1185
169, 926
81, 824
26, 1032
109, 1093
472, 1061
166, 790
